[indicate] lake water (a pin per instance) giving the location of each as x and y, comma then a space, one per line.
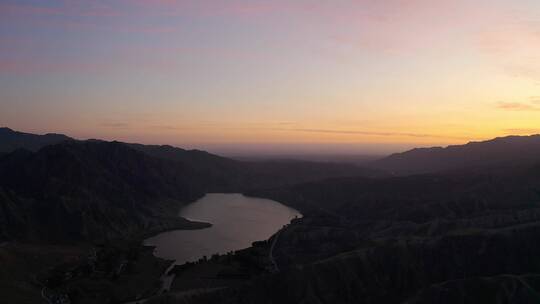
237, 221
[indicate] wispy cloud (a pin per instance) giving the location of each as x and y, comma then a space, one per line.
7, 9
91, 15
375, 133
34, 65
518, 106
513, 44
522, 131
270, 125
535, 99
115, 125
67, 8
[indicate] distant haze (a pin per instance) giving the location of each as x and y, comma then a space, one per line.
355, 153
301, 150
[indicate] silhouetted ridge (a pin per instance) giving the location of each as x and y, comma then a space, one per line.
88, 190
92, 189
454, 237
503, 150
11, 140
227, 175
464, 234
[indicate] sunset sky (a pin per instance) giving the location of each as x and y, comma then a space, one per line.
274, 76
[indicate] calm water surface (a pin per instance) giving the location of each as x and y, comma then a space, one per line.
237, 221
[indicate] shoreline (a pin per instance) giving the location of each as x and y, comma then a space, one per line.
167, 278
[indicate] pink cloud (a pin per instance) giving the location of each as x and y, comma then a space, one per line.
118, 60
373, 133
157, 2
512, 43
532, 104
67, 8
18, 66
535, 99
517, 106
7, 9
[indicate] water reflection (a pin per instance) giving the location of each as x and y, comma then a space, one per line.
237, 221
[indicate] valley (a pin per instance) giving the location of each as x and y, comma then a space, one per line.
74, 216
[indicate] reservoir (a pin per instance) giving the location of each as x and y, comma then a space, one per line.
237, 221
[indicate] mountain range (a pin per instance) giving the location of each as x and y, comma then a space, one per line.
97, 189
431, 225
499, 151
11, 140
88, 190
464, 234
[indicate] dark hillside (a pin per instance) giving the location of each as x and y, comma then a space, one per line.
12, 140
86, 190
504, 150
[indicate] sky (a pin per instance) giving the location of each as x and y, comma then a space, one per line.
297, 76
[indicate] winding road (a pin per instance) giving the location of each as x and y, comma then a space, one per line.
271, 253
